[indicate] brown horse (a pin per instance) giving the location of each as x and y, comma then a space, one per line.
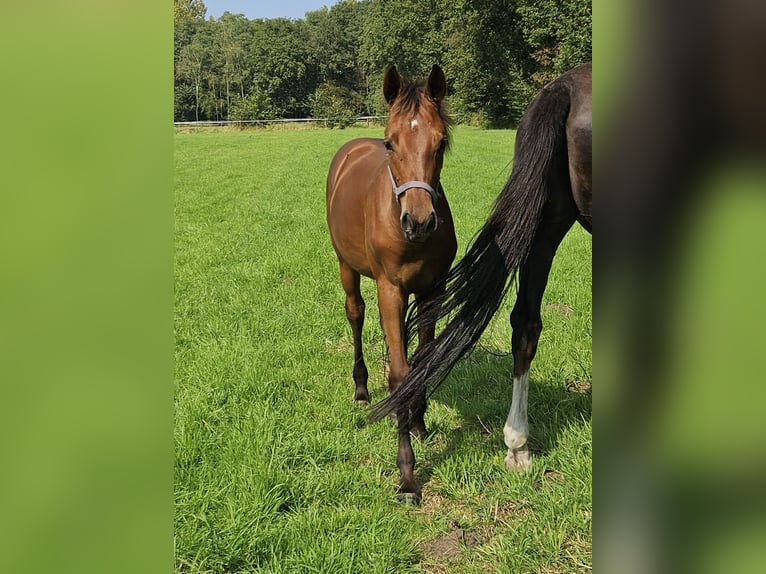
389, 220
550, 188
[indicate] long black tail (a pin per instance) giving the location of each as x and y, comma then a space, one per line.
477, 285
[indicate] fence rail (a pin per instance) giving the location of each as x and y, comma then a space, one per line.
324, 121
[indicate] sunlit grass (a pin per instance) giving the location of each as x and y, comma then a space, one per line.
275, 469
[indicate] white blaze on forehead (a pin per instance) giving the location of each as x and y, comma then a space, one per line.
414, 124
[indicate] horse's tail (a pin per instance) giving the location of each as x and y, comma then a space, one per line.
474, 288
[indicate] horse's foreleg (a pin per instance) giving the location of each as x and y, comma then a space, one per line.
355, 315
527, 325
392, 302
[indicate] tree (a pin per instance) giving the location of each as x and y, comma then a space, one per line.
187, 16
233, 36
558, 35
255, 106
280, 64
406, 33
478, 34
185, 10
496, 54
339, 105
334, 36
184, 103
192, 66
189, 58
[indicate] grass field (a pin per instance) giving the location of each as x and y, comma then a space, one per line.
276, 470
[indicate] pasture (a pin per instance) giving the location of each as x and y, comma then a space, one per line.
275, 468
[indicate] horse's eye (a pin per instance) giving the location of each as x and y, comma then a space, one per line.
388, 145
443, 144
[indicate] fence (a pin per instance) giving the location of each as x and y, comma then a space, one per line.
368, 120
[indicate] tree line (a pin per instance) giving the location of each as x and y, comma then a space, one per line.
496, 54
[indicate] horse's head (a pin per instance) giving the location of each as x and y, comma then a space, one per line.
416, 138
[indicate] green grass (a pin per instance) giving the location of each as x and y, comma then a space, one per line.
275, 469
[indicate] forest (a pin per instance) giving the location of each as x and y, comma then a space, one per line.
496, 55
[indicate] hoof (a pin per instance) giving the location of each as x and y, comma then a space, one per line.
412, 498
518, 460
361, 397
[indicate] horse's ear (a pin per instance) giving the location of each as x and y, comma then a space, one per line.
392, 83
437, 84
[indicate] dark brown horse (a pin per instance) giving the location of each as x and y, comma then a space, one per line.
389, 220
548, 190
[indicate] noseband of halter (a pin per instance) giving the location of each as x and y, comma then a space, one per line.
399, 190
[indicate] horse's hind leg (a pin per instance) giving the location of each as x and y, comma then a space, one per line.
355, 315
417, 420
527, 325
426, 332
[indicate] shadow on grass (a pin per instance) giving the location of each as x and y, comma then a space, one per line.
479, 391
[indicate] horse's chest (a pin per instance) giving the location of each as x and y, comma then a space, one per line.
418, 275
412, 271
412, 266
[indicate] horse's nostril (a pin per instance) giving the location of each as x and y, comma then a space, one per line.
431, 223
407, 222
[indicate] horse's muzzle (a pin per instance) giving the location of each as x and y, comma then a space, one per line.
418, 231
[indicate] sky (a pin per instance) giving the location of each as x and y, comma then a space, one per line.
253, 9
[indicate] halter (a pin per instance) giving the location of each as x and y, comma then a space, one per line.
399, 190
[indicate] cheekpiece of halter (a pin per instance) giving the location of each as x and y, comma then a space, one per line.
400, 189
